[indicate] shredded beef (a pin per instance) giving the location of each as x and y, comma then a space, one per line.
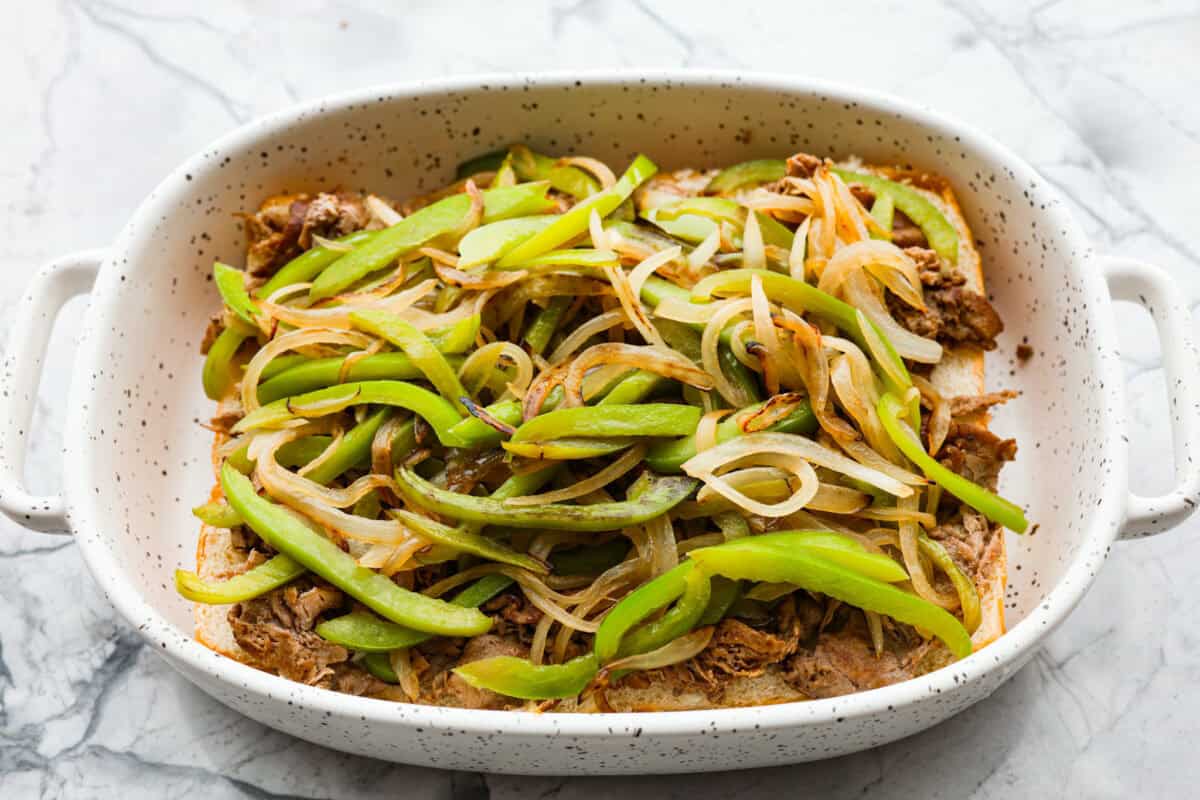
966, 405
965, 536
284, 226
277, 629
845, 662
451, 690
216, 324
976, 453
905, 232
803, 165
954, 314
737, 650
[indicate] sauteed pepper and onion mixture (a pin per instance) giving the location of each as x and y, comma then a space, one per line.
636, 406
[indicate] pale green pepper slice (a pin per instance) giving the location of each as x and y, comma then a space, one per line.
444, 216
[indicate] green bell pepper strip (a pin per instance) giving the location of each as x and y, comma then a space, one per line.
763, 170
217, 514
291, 536
941, 234
637, 606
309, 264
435, 410
722, 209
444, 216
354, 448
800, 297
487, 243
662, 495
217, 376
575, 221
255, 581
321, 372
723, 594
633, 388
324, 372
545, 324
992, 506
531, 166
668, 456
518, 677
368, 506
883, 211
584, 257
589, 560
367, 633
968, 597
569, 449
691, 228
488, 162
466, 539
505, 174
281, 364
816, 574
420, 350
838, 549
231, 283
677, 621
644, 419
380, 665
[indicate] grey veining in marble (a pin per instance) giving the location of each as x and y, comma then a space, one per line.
103, 98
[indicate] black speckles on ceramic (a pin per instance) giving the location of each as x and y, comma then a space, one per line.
138, 459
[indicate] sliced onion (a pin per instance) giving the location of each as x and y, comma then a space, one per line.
799, 248
709, 357
479, 281
910, 550
628, 460
726, 485
633, 306
686, 311
316, 501
757, 444
861, 452
754, 253
674, 652
648, 266
862, 296
706, 431
537, 645
764, 332
882, 259
761, 199
834, 499
339, 316
705, 250
592, 165
406, 675
663, 553
828, 212
653, 359
898, 514
381, 211
815, 372
851, 214
291, 341
479, 367
578, 337
939, 417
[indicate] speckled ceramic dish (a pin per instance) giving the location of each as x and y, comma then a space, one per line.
135, 459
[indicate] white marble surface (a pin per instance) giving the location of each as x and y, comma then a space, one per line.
103, 98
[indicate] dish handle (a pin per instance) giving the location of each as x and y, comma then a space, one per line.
1155, 291
50, 289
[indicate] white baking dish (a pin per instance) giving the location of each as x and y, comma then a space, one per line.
135, 460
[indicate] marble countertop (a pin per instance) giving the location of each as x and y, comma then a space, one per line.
105, 97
